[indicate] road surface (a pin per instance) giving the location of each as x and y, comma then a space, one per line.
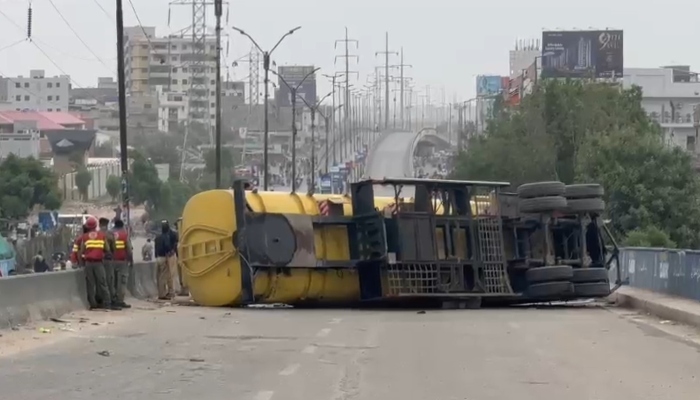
389, 160
574, 353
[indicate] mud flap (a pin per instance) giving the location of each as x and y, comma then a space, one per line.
240, 206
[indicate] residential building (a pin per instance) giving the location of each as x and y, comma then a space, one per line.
173, 108
152, 61
25, 132
142, 113
23, 141
35, 92
670, 95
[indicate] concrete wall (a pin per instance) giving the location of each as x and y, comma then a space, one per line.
98, 186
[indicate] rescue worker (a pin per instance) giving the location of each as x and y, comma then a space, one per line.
108, 263
91, 255
165, 247
122, 256
76, 248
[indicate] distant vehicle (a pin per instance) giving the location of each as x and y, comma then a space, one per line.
73, 221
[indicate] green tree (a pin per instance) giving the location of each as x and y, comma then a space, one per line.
25, 183
83, 177
113, 186
229, 160
576, 131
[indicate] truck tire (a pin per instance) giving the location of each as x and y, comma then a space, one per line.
600, 289
542, 204
549, 274
590, 275
585, 206
541, 189
549, 290
584, 191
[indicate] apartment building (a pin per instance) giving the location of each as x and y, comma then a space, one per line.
168, 62
35, 92
670, 96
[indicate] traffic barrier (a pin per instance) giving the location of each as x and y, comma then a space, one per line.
36, 297
40, 296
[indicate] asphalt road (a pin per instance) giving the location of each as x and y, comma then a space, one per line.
584, 353
389, 161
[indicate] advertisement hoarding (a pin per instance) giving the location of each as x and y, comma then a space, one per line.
582, 54
293, 75
488, 85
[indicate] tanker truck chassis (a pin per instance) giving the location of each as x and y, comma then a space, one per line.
460, 242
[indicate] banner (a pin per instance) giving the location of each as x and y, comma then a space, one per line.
293, 76
488, 85
582, 54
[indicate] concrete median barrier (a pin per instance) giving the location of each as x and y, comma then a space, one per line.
142, 280
40, 296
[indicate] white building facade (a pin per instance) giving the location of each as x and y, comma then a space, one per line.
670, 96
35, 92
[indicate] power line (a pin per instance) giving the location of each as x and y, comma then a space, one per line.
11, 45
131, 4
103, 9
55, 64
76, 35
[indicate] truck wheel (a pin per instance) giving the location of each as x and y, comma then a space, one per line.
549, 274
590, 275
550, 289
600, 289
542, 204
584, 206
541, 189
584, 191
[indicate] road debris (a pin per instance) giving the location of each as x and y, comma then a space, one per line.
104, 353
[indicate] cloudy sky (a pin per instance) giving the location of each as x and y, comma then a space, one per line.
448, 42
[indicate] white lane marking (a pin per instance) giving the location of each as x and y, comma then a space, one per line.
264, 395
246, 348
336, 321
291, 369
323, 332
309, 349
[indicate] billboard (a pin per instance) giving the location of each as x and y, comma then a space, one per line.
582, 54
488, 85
293, 75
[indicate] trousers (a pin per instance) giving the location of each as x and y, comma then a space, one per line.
111, 280
121, 277
96, 280
167, 275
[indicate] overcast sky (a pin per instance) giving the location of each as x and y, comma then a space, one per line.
448, 42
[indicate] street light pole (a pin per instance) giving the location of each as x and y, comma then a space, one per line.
293, 91
266, 67
314, 109
218, 10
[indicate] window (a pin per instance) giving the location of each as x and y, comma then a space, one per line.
26, 98
184, 70
690, 143
213, 105
49, 98
174, 81
184, 81
213, 93
49, 109
173, 58
58, 98
212, 82
49, 85
174, 47
18, 98
17, 84
58, 84
58, 110
174, 69
147, 106
26, 84
213, 116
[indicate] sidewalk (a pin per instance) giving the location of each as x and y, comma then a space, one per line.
663, 306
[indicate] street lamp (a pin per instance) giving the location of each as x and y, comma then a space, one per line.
266, 67
314, 109
293, 90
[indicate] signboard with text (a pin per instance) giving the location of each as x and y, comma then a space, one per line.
582, 54
488, 85
293, 76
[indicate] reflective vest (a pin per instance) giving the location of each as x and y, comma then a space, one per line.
121, 241
94, 245
76, 248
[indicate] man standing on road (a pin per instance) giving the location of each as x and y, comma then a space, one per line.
165, 247
92, 256
123, 255
108, 263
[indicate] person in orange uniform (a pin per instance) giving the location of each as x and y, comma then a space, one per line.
76, 248
92, 256
121, 257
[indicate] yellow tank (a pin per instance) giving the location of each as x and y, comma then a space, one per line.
211, 265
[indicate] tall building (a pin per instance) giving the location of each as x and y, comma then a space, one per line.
152, 61
525, 52
36, 92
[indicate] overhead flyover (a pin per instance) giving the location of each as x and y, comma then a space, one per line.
392, 156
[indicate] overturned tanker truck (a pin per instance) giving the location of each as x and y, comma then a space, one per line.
462, 243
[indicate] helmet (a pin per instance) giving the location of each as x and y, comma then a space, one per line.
91, 223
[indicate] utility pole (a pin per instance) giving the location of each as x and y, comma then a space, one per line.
386, 54
347, 56
121, 77
403, 81
218, 11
